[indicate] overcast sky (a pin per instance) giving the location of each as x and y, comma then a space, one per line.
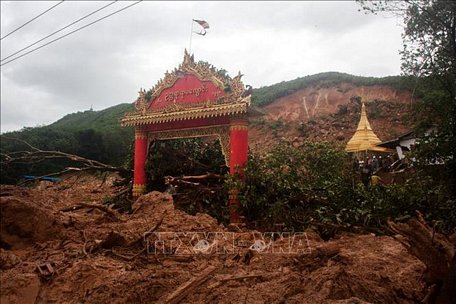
107, 63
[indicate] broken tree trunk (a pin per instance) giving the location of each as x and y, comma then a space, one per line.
190, 179
185, 289
81, 205
35, 155
434, 250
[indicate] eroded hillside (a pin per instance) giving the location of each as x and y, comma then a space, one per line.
322, 112
315, 100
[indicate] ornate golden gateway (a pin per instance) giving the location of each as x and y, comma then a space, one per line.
223, 96
194, 100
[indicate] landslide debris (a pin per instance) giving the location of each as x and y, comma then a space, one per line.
86, 256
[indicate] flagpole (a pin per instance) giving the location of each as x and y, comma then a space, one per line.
191, 34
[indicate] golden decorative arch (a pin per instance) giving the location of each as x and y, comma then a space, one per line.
226, 96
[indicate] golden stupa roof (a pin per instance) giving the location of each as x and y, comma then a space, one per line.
364, 138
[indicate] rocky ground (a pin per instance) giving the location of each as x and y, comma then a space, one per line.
57, 247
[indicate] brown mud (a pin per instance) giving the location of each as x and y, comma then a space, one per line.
90, 256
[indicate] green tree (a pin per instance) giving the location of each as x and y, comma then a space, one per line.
90, 145
288, 184
429, 53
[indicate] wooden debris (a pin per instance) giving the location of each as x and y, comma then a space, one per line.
81, 205
241, 277
432, 248
45, 271
35, 155
435, 251
226, 278
187, 179
149, 232
185, 289
72, 208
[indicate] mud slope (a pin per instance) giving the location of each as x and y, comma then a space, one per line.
319, 113
316, 99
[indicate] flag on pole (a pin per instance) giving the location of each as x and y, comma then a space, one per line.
203, 23
204, 26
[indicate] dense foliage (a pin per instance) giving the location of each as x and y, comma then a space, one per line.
294, 188
313, 185
180, 157
429, 54
91, 134
190, 157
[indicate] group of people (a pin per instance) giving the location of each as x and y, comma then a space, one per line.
369, 167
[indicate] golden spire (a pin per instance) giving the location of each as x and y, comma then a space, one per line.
364, 138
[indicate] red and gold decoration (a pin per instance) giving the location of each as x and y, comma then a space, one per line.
194, 100
140, 178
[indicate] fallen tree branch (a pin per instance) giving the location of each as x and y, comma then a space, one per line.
187, 179
203, 176
185, 289
147, 233
226, 278
169, 180
432, 248
435, 251
36, 155
72, 208
94, 206
128, 257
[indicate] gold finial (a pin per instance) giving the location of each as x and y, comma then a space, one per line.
142, 93
188, 59
140, 103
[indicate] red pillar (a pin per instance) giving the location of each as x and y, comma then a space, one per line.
140, 179
238, 158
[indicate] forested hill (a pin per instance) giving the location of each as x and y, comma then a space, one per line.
266, 95
92, 134
104, 120
98, 134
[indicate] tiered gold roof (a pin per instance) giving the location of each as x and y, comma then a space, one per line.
364, 138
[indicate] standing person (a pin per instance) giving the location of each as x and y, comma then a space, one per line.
356, 164
365, 173
388, 162
374, 164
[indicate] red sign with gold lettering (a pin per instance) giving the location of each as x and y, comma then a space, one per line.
187, 91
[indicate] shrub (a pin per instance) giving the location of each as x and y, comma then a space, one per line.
285, 185
313, 185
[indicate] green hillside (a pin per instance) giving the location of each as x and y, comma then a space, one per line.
104, 120
92, 134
